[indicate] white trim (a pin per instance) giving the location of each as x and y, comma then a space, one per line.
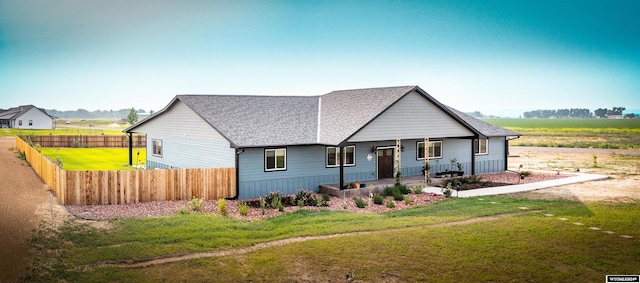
153, 147
477, 141
430, 157
284, 149
326, 160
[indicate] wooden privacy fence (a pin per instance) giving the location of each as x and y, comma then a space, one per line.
87, 141
120, 187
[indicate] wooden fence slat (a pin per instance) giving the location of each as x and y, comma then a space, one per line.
118, 187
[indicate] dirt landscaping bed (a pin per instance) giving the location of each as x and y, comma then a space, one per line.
621, 165
163, 208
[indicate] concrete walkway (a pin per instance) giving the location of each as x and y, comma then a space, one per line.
579, 178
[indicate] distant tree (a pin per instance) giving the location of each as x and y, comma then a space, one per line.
616, 111
151, 112
601, 112
132, 117
563, 113
476, 114
141, 110
630, 116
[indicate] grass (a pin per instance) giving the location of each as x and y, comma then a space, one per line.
528, 247
95, 158
574, 133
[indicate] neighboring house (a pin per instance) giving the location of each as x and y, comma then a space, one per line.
26, 117
286, 143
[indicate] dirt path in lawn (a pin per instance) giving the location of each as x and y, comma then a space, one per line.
183, 257
24, 202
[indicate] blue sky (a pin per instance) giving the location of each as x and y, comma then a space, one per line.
497, 57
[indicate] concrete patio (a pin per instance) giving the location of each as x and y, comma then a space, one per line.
378, 185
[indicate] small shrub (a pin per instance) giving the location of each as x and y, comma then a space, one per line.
397, 195
243, 208
300, 203
378, 199
388, 191
22, 155
360, 203
183, 210
326, 197
222, 207
274, 199
446, 191
391, 204
418, 189
280, 207
196, 204
404, 189
263, 205
525, 174
344, 206
407, 200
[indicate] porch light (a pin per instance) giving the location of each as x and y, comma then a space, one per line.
369, 157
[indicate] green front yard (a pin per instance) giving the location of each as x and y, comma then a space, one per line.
403, 246
96, 158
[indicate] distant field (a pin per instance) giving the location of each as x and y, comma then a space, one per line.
95, 158
581, 133
85, 127
60, 132
567, 124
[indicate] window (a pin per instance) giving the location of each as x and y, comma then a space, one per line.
275, 159
30, 122
435, 149
19, 122
333, 156
481, 146
157, 148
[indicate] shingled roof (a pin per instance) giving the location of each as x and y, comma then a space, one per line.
258, 120
330, 119
15, 112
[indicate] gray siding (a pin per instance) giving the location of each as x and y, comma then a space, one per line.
494, 161
187, 141
410, 118
306, 167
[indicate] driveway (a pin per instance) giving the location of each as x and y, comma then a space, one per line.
24, 202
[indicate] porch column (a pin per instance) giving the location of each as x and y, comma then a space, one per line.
398, 155
425, 153
341, 167
506, 153
473, 157
130, 149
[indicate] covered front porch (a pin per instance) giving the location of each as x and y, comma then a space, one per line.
378, 185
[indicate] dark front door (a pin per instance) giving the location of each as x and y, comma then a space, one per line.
385, 163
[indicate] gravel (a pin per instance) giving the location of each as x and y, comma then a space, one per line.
165, 208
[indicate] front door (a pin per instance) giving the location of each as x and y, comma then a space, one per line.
385, 163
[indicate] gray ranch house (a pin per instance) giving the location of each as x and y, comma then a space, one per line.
286, 143
26, 117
